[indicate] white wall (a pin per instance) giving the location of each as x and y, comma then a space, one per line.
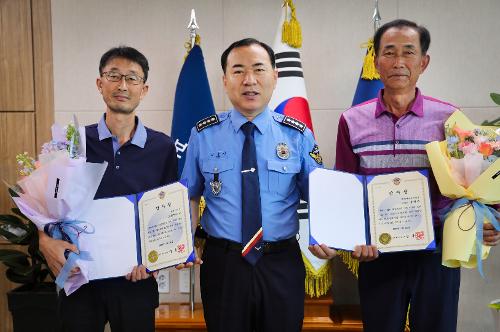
464, 66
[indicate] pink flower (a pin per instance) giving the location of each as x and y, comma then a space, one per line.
467, 147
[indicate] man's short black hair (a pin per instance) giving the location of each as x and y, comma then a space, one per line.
246, 42
425, 36
128, 53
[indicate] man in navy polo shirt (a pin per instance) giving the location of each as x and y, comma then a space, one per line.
138, 159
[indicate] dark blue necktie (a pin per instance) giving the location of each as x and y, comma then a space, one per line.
251, 229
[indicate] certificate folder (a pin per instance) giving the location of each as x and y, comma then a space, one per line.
391, 211
152, 228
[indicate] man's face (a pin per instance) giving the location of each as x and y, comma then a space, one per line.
122, 97
400, 61
249, 79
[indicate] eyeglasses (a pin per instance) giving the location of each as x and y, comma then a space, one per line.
114, 76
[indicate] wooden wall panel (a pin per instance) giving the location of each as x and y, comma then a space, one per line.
17, 134
43, 74
16, 56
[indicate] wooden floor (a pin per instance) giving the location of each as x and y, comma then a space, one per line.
178, 317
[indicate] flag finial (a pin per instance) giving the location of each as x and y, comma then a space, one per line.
192, 27
376, 17
291, 33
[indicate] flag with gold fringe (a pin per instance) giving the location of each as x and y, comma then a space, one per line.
290, 98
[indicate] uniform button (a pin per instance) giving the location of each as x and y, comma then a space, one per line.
118, 153
117, 167
397, 126
216, 169
397, 142
284, 168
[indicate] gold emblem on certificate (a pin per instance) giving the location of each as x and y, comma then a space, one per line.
282, 151
384, 238
153, 256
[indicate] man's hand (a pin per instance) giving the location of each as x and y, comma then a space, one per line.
491, 237
198, 251
322, 251
365, 253
53, 251
139, 273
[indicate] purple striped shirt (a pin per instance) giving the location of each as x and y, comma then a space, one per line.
371, 140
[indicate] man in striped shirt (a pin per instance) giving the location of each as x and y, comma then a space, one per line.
388, 134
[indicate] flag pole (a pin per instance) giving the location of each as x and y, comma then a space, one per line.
192, 27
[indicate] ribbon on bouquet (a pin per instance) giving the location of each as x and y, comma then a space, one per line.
481, 211
69, 231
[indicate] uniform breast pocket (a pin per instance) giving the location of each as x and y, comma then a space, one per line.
217, 175
282, 176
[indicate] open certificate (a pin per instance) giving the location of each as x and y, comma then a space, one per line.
391, 211
151, 228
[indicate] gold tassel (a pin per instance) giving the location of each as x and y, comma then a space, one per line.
202, 205
318, 282
407, 325
351, 263
369, 70
291, 32
187, 45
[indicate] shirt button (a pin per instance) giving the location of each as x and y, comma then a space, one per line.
284, 168
117, 167
397, 142
216, 169
397, 126
118, 153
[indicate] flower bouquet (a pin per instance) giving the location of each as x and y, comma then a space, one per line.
467, 168
56, 189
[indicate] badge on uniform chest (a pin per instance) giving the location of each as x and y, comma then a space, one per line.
282, 151
216, 185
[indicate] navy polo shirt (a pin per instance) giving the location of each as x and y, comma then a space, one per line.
147, 161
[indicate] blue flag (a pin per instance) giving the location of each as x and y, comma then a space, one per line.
193, 101
366, 90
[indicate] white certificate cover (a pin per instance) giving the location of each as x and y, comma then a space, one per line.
391, 211
151, 228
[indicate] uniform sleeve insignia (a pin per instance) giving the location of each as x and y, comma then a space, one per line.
315, 155
294, 123
207, 122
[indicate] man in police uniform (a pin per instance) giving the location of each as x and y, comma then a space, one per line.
251, 165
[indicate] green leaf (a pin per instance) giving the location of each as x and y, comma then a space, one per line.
14, 221
8, 235
495, 97
13, 258
19, 278
18, 212
13, 193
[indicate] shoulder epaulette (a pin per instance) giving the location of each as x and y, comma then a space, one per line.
294, 123
207, 122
